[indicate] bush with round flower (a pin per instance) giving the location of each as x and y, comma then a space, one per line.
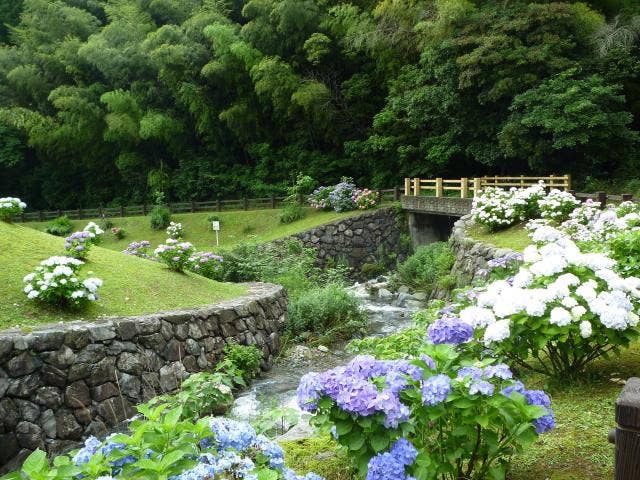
175, 254
206, 264
175, 231
56, 281
557, 205
11, 207
163, 445
139, 249
319, 198
496, 209
95, 230
438, 416
78, 244
562, 309
341, 197
364, 199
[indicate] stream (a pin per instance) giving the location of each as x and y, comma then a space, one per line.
277, 387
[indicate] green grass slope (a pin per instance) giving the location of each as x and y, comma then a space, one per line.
131, 285
515, 238
236, 227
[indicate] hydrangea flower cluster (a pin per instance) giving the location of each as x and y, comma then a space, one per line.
175, 254
95, 231
175, 231
449, 330
78, 244
10, 207
341, 197
55, 281
544, 423
557, 205
319, 198
139, 249
392, 465
496, 208
206, 264
353, 388
588, 223
365, 199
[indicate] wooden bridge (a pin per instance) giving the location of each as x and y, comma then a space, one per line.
454, 197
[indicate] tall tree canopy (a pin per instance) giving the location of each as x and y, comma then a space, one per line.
105, 101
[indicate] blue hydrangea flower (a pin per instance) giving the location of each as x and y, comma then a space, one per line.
537, 397
482, 386
449, 330
91, 446
545, 423
404, 451
308, 392
395, 411
271, 450
428, 360
232, 434
499, 370
385, 466
436, 389
469, 372
517, 386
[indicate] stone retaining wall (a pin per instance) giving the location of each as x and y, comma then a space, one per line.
63, 382
357, 239
471, 255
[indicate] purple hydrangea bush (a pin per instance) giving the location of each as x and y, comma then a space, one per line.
78, 244
139, 249
55, 281
163, 445
441, 412
206, 264
175, 254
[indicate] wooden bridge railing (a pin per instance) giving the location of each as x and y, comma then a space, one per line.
627, 434
472, 186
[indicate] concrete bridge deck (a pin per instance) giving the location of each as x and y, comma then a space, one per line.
449, 206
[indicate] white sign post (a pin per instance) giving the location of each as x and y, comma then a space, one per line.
216, 228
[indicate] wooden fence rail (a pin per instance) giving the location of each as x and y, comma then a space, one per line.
386, 195
465, 186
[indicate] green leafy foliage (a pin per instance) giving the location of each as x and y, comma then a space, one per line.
330, 312
427, 266
60, 227
159, 217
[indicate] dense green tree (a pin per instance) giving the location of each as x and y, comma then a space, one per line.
105, 101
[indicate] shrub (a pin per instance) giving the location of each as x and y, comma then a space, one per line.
319, 198
248, 229
292, 212
304, 185
139, 249
625, 250
95, 231
206, 264
55, 281
175, 231
341, 197
118, 232
423, 269
371, 270
106, 223
201, 394
213, 218
161, 444
563, 308
159, 217
390, 414
11, 207
365, 199
174, 254
330, 311
60, 226
242, 360
495, 209
557, 205
78, 244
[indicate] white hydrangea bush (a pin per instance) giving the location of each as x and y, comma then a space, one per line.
496, 208
96, 232
11, 207
175, 231
55, 281
590, 223
563, 309
557, 205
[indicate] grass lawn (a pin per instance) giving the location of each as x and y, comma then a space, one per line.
131, 285
235, 227
577, 449
514, 238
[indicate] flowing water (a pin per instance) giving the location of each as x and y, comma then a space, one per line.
277, 387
